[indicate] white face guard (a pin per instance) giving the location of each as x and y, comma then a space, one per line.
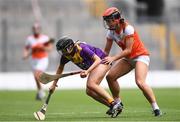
106, 24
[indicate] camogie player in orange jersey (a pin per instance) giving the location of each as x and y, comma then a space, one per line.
37, 46
134, 55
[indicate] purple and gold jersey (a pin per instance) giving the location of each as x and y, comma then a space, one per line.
83, 56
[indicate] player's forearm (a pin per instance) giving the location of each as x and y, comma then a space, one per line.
122, 54
96, 62
26, 54
48, 47
108, 46
59, 71
107, 49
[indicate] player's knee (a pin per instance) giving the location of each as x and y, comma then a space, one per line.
109, 78
91, 86
88, 92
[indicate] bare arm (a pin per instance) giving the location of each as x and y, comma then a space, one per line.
58, 71
127, 51
108, 46
48, 46
124, 53
97, 61
26, 53
54, 84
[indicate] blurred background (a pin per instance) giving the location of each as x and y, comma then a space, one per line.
157, 22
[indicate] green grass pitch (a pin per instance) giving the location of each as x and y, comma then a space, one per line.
75, 105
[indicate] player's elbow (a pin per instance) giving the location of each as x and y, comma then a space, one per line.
97, 59
128, 51
89, 92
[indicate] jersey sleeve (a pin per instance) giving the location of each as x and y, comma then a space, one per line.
64, 60
87, 51
129, 31
109, 34
45, 39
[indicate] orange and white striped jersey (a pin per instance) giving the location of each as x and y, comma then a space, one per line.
121, 37
37, 46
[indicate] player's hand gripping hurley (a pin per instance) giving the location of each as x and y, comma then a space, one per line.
46, 78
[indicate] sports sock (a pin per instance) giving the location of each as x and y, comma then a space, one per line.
154, 106
40, 91
110, 100
117, 100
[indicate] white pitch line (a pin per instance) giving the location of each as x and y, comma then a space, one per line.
72, 113
60, 113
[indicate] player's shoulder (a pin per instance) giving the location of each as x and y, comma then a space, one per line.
129, 29
30, 37
44, 36
81, 43
110, 31
84, 46
110, 34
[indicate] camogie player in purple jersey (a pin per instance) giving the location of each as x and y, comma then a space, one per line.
88, 58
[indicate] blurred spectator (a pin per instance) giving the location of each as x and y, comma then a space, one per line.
37, 46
